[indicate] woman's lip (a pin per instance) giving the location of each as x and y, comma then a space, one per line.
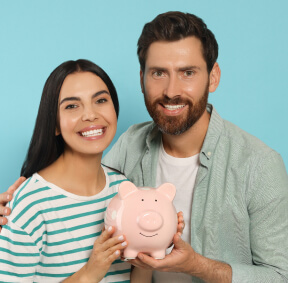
93, 133
91, 128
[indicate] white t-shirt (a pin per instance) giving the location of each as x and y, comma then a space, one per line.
182, 173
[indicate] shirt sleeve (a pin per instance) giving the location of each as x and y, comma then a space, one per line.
115, 158
19, 255
268, 211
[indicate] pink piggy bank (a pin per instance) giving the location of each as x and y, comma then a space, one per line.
146, 216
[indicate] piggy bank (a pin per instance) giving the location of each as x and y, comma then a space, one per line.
146, 216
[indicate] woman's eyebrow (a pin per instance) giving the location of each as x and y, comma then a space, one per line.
76, 98
100, 92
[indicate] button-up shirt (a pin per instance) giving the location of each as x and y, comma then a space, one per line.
240, 203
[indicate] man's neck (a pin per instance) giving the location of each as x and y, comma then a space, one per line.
190, 142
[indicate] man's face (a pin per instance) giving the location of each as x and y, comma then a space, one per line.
175, 84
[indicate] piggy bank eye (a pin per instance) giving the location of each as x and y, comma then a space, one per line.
142, 199
155, 199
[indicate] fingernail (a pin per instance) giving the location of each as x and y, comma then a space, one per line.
124, 244
117, 252
140, 256
121, 238
8, 197
5, 211
110, 229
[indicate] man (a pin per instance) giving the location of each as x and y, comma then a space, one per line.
232, 188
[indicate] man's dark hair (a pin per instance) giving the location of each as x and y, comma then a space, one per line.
173, 26
45, 147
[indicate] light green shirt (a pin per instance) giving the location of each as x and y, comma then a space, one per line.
240, 203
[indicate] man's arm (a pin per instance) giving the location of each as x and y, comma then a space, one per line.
267, 205
5, 198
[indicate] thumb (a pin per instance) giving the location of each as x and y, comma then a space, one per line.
178, 242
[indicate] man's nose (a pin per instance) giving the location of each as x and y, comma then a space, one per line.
173, 87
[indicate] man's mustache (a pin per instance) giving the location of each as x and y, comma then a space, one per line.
172, 101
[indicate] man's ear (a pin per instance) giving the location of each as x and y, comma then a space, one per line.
214, 77
142, 80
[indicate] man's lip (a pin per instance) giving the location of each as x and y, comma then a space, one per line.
173, 112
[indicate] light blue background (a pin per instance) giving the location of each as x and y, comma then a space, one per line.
36, 36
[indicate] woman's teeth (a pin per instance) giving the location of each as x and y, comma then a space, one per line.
92, 133
174, 107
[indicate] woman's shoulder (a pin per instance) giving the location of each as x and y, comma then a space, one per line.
114, 176
27, 196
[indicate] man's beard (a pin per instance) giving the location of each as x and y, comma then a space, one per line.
176, 125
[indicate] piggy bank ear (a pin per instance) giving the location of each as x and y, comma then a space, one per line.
168, 190
126, 188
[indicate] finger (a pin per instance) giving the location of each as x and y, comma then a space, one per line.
179, 243
105, 242
4, 198
115, 248
148, 261
3, 221
138, 263
16, 185
4, 211
180, 228
111, 258
105, 235
180, 214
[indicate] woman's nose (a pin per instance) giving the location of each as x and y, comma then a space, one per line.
89, 115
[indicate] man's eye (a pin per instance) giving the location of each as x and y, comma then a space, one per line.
188, 73
71, 106
158, 73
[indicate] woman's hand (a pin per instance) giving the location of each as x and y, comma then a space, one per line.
106, 250
5, 198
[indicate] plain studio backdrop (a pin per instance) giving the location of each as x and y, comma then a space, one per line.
36, 36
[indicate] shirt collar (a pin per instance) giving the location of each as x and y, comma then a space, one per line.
212, 136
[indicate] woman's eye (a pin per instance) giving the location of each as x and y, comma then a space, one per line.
101, 100
71, 106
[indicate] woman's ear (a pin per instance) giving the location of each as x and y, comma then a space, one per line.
214, 77
57, 131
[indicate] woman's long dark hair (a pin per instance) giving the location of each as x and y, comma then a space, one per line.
45, 147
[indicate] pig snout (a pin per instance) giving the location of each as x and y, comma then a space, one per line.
150, 221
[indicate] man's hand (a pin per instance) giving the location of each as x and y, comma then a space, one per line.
184, 259
6, 197
179, 260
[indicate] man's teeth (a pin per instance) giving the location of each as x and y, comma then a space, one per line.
174, 107
92, 133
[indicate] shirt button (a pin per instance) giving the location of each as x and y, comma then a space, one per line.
209, 153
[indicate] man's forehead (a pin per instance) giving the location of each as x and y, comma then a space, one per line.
165, 52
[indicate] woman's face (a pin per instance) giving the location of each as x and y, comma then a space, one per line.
87, 118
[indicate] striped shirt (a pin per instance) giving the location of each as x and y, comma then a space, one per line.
51, 232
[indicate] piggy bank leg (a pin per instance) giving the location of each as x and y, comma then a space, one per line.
158, 254
129, 254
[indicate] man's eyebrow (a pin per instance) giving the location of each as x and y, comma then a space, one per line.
189, 68
76, 98
185, 68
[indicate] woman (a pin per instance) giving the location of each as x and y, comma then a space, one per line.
58, 213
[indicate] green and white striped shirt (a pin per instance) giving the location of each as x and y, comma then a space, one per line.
51, 232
